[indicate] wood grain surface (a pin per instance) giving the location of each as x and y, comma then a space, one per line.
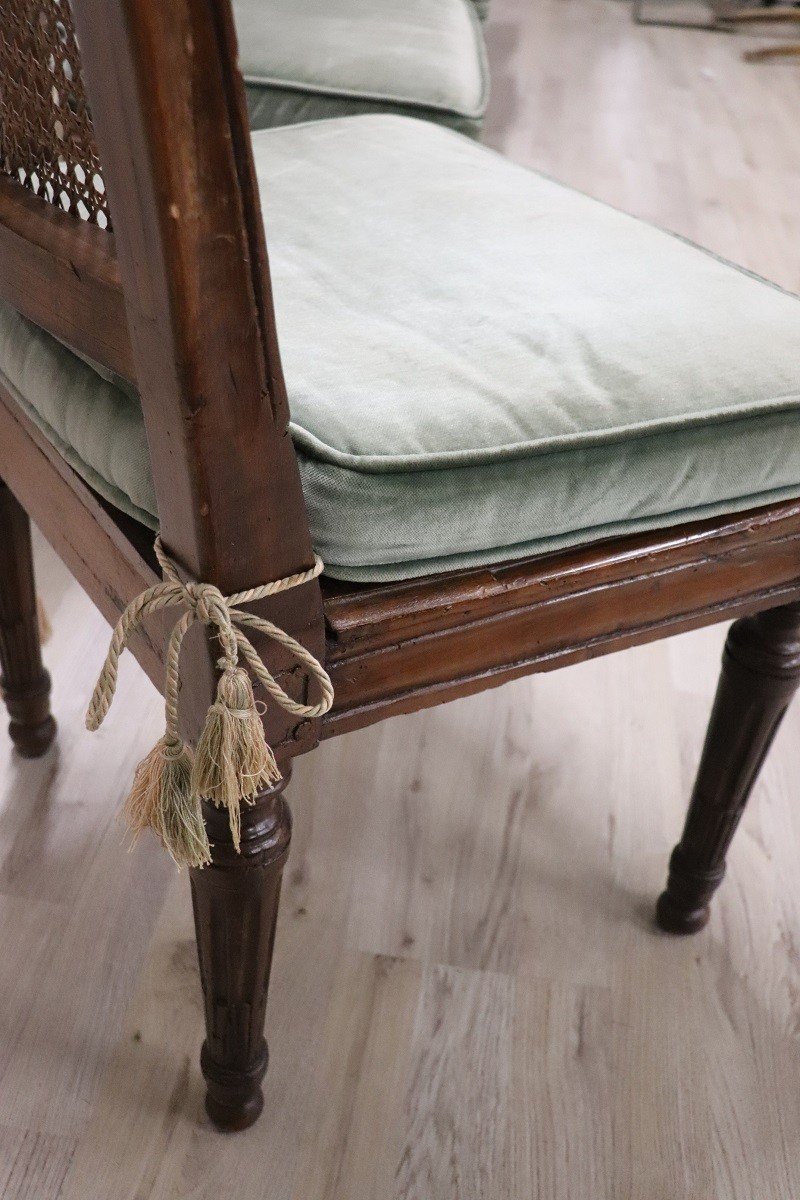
468, 999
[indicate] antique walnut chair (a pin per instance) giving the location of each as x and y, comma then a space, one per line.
525, 429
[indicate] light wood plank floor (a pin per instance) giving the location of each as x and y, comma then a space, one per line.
469, 1002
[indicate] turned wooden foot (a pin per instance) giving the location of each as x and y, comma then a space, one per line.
760, 674
235, 909
24, 683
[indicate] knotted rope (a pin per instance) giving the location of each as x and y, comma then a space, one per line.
232, 760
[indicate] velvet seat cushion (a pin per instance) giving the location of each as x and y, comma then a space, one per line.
481, 363
303, 60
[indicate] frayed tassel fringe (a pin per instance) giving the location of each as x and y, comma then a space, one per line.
162, 799
233, 761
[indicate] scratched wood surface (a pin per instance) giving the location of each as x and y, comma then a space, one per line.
469, 1000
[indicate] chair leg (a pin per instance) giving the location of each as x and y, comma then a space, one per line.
235, 908
760, 674
24, 684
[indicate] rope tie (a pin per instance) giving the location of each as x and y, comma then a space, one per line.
232, 761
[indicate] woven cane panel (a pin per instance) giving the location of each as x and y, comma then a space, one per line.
46, 136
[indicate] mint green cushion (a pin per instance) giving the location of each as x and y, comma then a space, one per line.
481, 363
304, 60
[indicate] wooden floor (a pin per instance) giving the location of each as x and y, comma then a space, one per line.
469, 1001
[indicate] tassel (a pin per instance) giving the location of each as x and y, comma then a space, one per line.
233, 761
161, 799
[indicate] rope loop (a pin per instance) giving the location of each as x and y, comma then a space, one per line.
205, 603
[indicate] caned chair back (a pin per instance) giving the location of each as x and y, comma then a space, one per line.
47, 141
131, 229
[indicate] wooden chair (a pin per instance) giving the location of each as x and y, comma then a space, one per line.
178, 299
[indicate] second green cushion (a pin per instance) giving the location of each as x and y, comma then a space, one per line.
303, 61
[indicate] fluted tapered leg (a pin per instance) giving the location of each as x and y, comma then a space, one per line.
236, 908
24, 683
760, 674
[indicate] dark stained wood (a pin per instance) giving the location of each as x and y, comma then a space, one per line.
400, 647
190, 244
171, 126
212, 394
63, 275
236, 908
112, 558
24, 683
760, 675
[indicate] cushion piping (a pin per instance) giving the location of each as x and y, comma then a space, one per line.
445, 459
